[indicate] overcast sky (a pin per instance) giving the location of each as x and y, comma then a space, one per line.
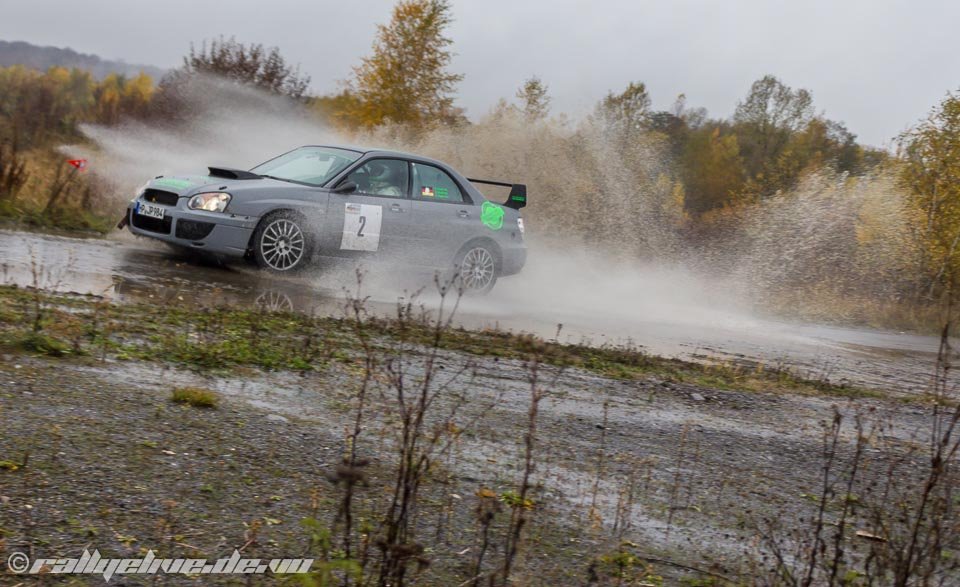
877, 65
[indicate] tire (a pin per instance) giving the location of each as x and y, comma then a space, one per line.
477, 268
282, 244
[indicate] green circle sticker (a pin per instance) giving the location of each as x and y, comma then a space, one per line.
491, 215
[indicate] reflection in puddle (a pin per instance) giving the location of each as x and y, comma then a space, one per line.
139, 271
274, 301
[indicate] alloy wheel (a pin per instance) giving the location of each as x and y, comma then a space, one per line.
478, 269
282, 244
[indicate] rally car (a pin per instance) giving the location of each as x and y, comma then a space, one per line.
339, 202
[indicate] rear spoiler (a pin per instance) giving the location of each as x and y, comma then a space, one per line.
518, 192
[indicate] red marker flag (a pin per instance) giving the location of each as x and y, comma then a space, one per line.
80, 164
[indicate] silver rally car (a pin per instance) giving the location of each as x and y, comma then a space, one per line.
339, 202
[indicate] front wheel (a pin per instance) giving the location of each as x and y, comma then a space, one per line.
281, 243
477, 269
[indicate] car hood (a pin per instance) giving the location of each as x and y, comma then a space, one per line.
184, 185
188, 185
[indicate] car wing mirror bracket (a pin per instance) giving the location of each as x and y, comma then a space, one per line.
347, 187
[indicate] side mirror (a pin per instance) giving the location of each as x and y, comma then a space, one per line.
347, 187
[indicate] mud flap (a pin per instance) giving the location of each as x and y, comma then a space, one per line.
124, 221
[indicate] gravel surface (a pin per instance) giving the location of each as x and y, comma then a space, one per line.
106, 460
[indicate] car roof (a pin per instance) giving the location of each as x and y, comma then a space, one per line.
385, 153
475, 193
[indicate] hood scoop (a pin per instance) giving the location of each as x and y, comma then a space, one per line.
231, 173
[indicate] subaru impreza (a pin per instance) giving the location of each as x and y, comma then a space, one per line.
339, 202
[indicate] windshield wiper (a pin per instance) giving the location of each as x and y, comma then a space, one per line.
279, 178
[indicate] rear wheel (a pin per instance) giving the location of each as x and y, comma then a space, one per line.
281, 243
477, 269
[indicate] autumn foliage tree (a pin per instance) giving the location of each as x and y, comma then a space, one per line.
117, 96
766, 119
197, 79
39, 112
780, 136
406, 79
712, 169
931, 172
773, 139
340, 110
625, 114
534, 99
40, 106
253, 64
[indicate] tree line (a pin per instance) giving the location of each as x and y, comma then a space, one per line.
39, 107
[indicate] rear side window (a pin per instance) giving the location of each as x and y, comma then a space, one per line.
434, 184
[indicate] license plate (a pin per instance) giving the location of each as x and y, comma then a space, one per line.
151, 210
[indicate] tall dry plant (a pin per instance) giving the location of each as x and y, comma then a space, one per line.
13, 168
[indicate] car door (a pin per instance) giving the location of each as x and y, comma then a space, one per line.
443, 216
374, 219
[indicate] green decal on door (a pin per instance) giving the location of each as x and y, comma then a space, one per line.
491, 215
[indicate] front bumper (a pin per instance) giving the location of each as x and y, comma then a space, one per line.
214, 232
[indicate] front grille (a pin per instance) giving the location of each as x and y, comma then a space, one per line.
193, 230
160, 197
158, 225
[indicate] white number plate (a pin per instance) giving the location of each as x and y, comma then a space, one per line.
151, 210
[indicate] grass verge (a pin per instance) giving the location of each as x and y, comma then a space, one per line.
225, 337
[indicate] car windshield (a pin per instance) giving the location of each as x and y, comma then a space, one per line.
308, 165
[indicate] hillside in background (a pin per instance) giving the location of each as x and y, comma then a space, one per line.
43, 58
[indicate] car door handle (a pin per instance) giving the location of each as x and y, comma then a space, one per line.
396, 208
463, 214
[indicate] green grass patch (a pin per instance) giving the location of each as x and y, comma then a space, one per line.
41, 343
619, 362
9, 466
196, 397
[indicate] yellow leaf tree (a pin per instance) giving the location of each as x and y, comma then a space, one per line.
713, 169
931, 172
534, 99
406, 79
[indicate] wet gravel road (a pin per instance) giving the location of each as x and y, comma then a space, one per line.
123, 268
711, 467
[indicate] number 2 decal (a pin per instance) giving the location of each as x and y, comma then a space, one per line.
361, 227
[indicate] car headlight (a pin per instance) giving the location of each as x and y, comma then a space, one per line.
211, 202
520, 224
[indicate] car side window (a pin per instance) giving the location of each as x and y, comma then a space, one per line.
434, 184
381, 177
